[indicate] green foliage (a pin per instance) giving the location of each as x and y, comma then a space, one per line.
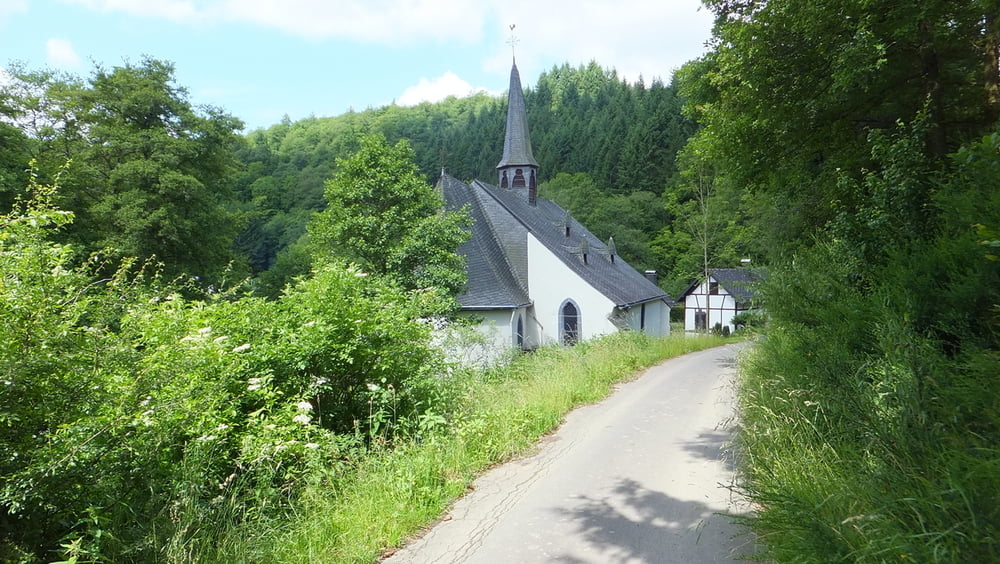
138, 425
790, 93
873, 378
870, 426
150, 174
383, 217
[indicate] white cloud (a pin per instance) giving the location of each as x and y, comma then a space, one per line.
60, 54
174, 10
435, 90
651, 38
9, 8
380, 21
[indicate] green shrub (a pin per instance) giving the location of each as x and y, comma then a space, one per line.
138, 425
870, 411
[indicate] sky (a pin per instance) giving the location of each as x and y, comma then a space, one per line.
260, 60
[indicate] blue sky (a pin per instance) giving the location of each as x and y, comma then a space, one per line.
262, 59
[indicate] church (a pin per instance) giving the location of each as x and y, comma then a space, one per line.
536, 276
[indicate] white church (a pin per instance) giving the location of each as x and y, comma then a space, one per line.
536, 275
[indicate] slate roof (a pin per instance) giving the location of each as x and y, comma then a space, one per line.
738, 282
496, 255
516, 143
492, 281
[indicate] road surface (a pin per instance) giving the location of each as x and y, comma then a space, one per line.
638, 477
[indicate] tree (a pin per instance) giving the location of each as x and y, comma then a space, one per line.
150, 174
383, 217
791, 91
857, 130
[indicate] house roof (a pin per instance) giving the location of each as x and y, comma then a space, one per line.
496, 255
738, 282
516, 143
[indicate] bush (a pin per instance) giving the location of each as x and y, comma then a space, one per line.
138, 425
870, 410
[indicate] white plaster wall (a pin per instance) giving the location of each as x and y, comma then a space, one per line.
657, 319
486, 343
720, 307
550, 283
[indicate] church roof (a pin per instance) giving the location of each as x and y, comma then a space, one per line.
516, 143
493, 282
497, 256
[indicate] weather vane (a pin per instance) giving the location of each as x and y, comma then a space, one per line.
513, 41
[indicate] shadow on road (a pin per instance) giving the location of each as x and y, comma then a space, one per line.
635, 524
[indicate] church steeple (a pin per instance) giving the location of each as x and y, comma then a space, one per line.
518, 167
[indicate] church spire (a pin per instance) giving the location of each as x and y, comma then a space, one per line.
518, 167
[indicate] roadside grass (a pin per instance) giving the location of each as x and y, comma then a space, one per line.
391, 494
841, 480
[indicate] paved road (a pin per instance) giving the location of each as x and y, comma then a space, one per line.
639, 477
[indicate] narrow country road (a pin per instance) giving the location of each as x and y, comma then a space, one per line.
639, 477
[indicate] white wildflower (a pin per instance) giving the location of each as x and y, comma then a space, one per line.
222, 427
241, 348
253, 384
221, 339
304, 406
311, 446
206, 438
372, 387
310, 323
302, 418
204, 330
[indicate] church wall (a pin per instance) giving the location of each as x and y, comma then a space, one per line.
491, 341
551, 283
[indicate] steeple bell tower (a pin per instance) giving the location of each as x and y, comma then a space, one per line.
518, 167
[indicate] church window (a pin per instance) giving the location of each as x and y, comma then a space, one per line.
518, 179
503, 179
569, 323
519, 333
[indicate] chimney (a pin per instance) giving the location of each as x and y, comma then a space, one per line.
651, 276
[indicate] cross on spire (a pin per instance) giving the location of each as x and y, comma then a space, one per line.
513, 41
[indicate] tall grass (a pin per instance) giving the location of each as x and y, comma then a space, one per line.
391, 494
868, 437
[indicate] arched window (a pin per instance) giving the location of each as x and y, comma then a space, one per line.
518, 181
503, 179
569, 324
519, 332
